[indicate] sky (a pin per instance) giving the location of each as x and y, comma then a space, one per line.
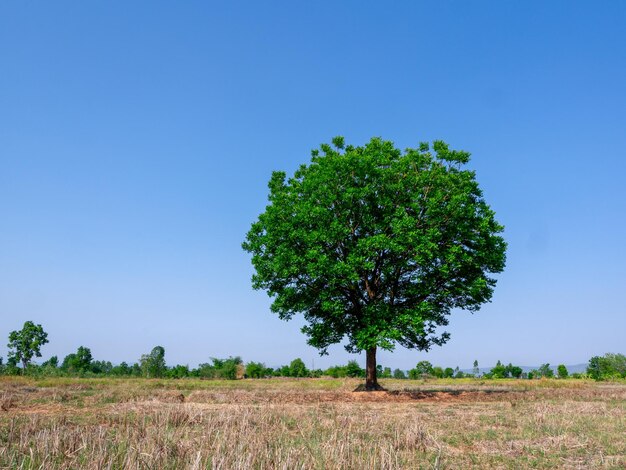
137, 140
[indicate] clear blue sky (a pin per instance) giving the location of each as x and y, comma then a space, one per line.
137, 139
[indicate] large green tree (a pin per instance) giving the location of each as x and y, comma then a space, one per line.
26, 343
376, 246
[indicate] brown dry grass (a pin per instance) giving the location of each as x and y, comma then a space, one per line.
74, 423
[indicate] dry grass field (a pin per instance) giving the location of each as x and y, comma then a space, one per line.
310, 423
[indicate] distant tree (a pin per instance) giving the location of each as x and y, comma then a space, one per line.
153, 364
383, 373
135, 370
423, 368
284, 371
26, 343
101, 367
354, 370
437, 372
69, 363
616, 365
11, 368
498, 372
121, 369
51, 363
448, 373
178, 371
514, 371
476, 369
594, 369
221, 368
84, 357
336, 372
78, 362
545, 371
255, 370
376, 245
297, 368
562, 371
399, 374
607, 367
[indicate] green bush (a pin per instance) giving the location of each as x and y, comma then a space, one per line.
609, 366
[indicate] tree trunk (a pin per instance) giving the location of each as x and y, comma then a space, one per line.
371, 382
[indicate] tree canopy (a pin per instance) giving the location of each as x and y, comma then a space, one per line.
153, 364
78, 362
376, 245
26, 343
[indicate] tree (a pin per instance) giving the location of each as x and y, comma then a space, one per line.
153, 364
421, 369
101, 367
336, 372
376, 246
399, 374
498, 372
178, 371
121, 369
514, 371
617, 364
297, 368
229, 368
51, 363
78, 362
26, 343
476, 369
354, 370
545, 371
438, 372
562, 371
11, 368
255, 370
608, 366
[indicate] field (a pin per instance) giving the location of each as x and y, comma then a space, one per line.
310, 423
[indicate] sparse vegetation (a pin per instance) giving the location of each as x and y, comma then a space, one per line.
64, 423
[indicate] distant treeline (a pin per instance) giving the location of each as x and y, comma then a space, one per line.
153, 365
26, 344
